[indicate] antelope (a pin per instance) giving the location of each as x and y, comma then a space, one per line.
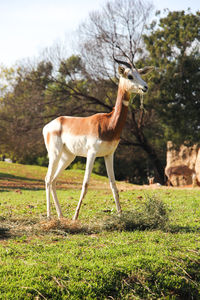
181, 170
95, 136
151, 180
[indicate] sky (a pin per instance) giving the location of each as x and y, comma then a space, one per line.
27, 27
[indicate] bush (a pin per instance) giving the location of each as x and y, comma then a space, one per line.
42, 161
153, 214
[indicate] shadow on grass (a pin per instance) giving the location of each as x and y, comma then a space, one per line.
183, 229
18, 188
13, 182
4, 233
10, 176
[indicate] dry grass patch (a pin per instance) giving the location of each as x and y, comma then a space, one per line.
64, 226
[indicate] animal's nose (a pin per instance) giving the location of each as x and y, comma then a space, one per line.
145, 88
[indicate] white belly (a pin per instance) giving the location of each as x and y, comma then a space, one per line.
80, 145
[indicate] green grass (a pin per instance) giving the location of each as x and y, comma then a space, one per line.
102, 256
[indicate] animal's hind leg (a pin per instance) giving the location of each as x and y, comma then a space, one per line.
111, 176
48, 180
65, 160
54, 157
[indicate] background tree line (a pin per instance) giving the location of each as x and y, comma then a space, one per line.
86, 83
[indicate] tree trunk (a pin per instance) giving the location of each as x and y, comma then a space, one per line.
143, 143
158, 166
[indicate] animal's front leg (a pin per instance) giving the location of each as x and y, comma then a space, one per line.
88, 170
111, 176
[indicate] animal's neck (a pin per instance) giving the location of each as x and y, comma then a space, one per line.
120, 110
122, 98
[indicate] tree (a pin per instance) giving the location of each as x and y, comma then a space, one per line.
117, 31
174, 46
22, 112
87, 83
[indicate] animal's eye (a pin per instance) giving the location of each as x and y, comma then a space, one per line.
130, 77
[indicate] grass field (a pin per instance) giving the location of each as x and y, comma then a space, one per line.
102, 256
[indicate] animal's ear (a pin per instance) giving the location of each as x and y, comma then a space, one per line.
145, 70
121, 70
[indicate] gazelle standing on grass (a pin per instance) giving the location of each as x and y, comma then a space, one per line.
90, 137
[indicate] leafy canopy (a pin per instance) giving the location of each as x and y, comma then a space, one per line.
174, 48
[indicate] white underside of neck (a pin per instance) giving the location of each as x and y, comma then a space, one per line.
125, 103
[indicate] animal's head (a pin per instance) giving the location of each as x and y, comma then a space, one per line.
130, 77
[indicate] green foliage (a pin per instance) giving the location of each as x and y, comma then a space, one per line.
42, 160
22, 113
173, 37
173, 46
78, 164
99, 166
73, 65
86, 84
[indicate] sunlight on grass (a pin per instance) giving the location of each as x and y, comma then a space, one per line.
150, 252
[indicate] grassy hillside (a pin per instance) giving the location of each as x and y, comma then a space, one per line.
102, 256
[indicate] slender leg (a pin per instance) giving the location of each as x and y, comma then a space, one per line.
65, 161
53, 163
48, 199
88, 170
111, 176
54, 157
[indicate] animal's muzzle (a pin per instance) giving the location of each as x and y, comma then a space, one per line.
145, 89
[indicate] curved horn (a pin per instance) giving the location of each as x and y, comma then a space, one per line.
122, 62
